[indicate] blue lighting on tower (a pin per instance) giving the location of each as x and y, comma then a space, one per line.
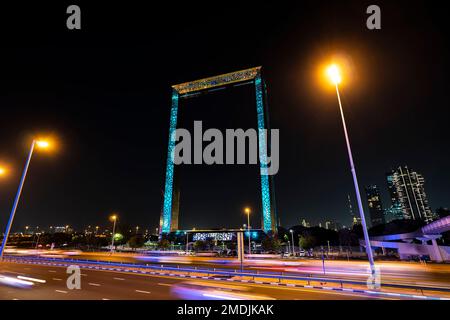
167, 210
265, 189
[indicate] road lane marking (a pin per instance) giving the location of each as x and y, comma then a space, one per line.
165, 284
52, 271
61, 291
142, 291
94, 284
13, 272
84, 274
120, 279
31, 279
56, 279
105, 299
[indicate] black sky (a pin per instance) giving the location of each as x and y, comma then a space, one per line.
105, 92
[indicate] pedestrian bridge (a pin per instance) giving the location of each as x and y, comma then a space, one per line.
406, 249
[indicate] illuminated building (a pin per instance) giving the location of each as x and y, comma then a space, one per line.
331, 225
355, 219
375, 206
408, 196
305, 223
170, 212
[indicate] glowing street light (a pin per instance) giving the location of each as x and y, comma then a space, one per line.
247, 212
40, 144
334, 76
114, 219
2, 171
43, 144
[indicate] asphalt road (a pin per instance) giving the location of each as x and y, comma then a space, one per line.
109, 285
396, 272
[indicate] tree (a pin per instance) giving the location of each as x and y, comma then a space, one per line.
136, 241
163, 244
199, 245
307, 241
271, 244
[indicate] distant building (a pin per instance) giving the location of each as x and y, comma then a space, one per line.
305, 224
355, 219
395, 211
60, 229
375, 206
330, 225
408, 196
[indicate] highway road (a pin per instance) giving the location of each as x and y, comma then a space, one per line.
397, 272
109, 285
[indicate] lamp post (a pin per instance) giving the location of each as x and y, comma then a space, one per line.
2, 171
41, 144
187, 241
293, 247
247, 212
114, 219
335, 77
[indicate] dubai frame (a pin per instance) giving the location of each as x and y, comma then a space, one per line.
170, 210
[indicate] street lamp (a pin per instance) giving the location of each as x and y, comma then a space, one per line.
293, 248
247, 212
114, 219
335, 78
40, 144
3, 171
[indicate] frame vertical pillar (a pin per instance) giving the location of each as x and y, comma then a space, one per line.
262, 143
168, 189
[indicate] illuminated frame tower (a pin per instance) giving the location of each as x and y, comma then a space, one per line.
170, 210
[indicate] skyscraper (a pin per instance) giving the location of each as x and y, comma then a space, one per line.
408, 196
375, 206
355, 219
330, 225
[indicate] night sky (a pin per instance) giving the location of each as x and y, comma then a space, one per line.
105, 92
